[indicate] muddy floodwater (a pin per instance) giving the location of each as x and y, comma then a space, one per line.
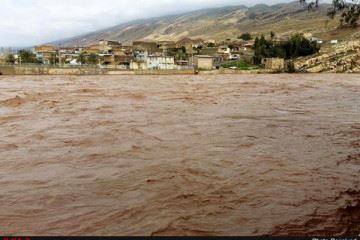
180, 155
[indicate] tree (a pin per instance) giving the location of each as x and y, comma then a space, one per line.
81, 58
27, 57
10, 59
245, 36
54, 59
349, 10
92, 59
272, 35
297, 46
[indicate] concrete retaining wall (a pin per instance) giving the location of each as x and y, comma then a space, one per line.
235, 71
47, 70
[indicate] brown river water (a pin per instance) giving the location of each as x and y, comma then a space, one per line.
180, 155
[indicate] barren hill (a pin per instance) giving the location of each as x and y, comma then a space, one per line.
221, 23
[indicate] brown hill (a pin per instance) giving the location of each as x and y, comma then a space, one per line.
221, 23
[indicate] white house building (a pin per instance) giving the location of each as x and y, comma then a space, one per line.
160, 62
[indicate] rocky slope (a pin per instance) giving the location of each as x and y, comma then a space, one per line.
344, 57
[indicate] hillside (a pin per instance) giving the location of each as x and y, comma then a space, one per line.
220, 23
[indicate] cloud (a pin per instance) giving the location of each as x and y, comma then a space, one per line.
30, 22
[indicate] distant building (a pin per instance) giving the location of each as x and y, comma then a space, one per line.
136, 65
148, 46
45, 52
106, 46
92, 49
2, 58
273, 63
317, 40
224, 50
160, 62
204, 62
211, 51
334, 41
248, 44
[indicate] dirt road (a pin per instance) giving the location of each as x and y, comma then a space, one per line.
180, 155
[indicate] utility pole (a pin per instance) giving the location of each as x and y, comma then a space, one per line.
192, 56
165, 58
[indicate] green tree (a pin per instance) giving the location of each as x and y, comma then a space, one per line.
181, 54
245, 36
27, 57
349, 10
81, 58
272, 35
54, 59
10, 59
92, 59
297, 46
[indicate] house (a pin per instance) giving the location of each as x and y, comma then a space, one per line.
106, 46
182, 62
334, 41
148, 46
248, 44
2, 58
160, 62
166, 44
224, 50
197, 42
123, 60
204, 62
45, 52
186, 43
92, 49
136, 65
106, 59
273, 63
315, 39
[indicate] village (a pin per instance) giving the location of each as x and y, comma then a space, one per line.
187, 53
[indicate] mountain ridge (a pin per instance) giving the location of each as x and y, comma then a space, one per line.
215, 23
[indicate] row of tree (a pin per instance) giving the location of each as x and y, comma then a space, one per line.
26, 56
296, 46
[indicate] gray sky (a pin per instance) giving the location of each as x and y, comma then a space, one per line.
30, 22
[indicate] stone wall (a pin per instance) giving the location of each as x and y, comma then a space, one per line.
341, 58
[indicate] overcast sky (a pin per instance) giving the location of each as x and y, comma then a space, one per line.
31, 22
